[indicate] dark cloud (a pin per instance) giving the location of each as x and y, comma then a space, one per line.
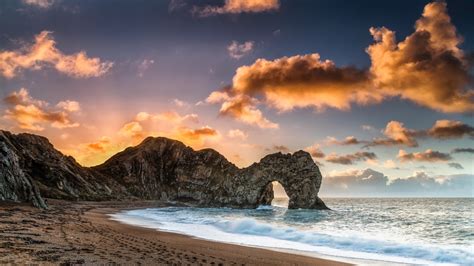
463, 150
350, 140
455, 165
350, 158
449, 129
278, 148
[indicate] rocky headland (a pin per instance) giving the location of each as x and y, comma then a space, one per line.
32, 170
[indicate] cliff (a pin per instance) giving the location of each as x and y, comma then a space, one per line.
157, 169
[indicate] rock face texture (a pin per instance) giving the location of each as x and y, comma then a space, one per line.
158, 168
31, 169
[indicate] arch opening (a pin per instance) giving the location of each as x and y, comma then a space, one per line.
274, 194
280, 198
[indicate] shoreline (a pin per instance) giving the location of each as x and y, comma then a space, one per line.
82, 232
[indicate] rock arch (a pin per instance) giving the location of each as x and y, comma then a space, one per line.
297, 173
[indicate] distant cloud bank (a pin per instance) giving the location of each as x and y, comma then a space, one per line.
370, 183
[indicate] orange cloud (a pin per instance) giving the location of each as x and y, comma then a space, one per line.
315, 151
100, 145
43, 52
238, 6
133, 130
396, 134
427, 68
32, 114
426, 156
169, 124
242, 108
191, 135
95, 152
237, 133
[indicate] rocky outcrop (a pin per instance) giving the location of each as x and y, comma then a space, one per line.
161, 168
31, 169
158, 168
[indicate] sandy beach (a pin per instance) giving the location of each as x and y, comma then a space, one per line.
82, 233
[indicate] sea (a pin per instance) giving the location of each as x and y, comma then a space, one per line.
364, 231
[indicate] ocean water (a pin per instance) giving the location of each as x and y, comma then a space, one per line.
401, 231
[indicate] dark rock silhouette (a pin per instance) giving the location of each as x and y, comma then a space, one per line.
156, 169
31, 169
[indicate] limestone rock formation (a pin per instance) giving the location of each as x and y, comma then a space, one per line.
158, 168
31, 169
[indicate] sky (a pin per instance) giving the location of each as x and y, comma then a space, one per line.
379, 92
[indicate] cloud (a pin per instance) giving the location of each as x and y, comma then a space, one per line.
302, 81
350, 140
350, 158
390, 164
39, 3
238, 134
455, 166
242, 108
169, 124
449, 129
426, 156
293, 82
315, 151
133, 130
176, 5
43, 52
144, 65
463, 150
180, 103
169, 116
278, 148
100, 145
70, 106
396, 134
367, 127
370, 183
198, 134
31, 114
238, 6
238, 50
427, 68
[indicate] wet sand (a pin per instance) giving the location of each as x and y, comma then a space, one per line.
81, 232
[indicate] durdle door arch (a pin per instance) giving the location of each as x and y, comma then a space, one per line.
297, 173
